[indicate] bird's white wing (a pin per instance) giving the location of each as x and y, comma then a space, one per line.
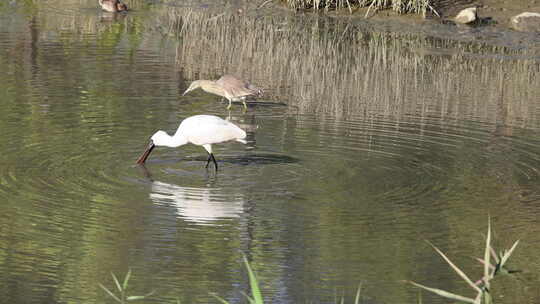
208, 129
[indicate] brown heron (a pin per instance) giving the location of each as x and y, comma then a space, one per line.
200, 130
112, 6
228, 86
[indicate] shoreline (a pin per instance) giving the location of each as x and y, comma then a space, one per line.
494, 27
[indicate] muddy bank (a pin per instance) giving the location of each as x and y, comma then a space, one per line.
500, 11
494, 28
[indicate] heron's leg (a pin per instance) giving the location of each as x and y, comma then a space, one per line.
245, 105
230, 105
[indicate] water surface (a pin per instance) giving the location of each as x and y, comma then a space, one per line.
370, 139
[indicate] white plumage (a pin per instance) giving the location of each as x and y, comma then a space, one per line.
201, 130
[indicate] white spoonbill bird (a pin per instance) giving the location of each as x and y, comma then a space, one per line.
200, 130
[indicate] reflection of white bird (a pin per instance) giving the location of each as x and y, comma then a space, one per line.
198, 205
201, 130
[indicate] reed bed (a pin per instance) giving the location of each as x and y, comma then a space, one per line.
333, 66
400, 6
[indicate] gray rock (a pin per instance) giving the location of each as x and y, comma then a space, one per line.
526, 22
467, 15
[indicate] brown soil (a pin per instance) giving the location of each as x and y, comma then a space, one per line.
498, 11
502, 10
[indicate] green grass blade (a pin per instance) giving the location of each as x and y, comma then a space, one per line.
487, 298
255, 291
456, 269
134, 298
487, 255
110, 293
491, 267
445, 294
494, 255
478, 299
116, 282
250, 299
220, 299
357, 297
126, 279
507, 254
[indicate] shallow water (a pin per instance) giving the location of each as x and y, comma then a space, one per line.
366, 143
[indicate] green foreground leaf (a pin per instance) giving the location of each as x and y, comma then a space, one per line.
254, 284
445, 294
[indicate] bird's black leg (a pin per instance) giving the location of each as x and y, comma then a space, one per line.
208, 160
214, 159
211, 158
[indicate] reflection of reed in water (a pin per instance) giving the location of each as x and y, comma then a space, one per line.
199, 205
331, 65
335, 66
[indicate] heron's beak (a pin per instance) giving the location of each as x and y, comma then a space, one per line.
146, 153
187, 91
